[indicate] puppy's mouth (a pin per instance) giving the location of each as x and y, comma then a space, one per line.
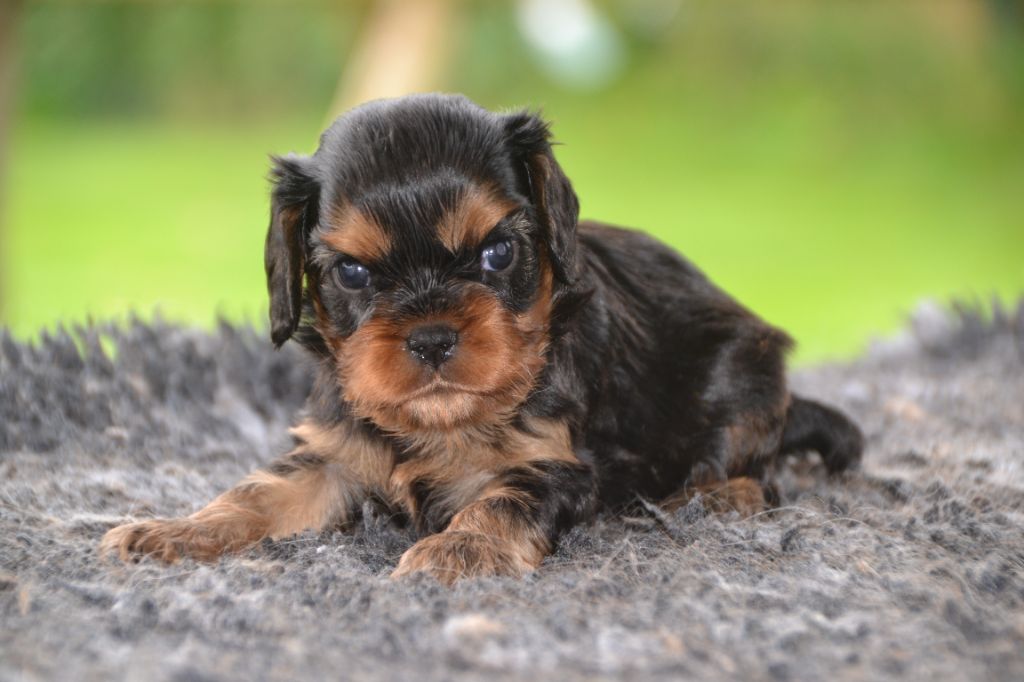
440, 386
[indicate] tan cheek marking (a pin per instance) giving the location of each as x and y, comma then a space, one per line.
357, 235
374, 367
472, 219
486, 353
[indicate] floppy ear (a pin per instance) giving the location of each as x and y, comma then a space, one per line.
551, 193
293, 211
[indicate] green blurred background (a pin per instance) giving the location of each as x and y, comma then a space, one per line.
829, 163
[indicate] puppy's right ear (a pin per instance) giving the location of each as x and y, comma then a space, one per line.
293, 212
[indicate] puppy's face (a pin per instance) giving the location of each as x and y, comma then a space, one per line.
432, 248
436, 314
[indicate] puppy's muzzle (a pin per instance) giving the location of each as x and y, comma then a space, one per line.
432, 344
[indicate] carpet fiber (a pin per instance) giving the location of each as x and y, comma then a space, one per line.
912, 568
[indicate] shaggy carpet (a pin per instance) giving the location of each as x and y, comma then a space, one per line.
911, 568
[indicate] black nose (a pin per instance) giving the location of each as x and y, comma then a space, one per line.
432, 344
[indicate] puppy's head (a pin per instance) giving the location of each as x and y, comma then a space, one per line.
422, 244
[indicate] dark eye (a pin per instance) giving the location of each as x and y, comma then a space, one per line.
353, 274
498, 256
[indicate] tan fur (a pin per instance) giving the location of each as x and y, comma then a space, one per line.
266, 504
356, 235
463, 466
516, 528
316, 496
453, 555
492, 532
741, 494
473, 218
495, 535
261, 506
364, 461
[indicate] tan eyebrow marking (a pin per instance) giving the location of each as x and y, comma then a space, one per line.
356, 234
474, 216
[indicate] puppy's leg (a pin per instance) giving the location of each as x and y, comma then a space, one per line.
743, 416
733, 473
511, 527
314, 486
265, 504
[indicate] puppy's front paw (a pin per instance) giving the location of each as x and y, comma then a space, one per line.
453, 555
165, 539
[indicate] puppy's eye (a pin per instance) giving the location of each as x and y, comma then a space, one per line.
498, 256
353, 274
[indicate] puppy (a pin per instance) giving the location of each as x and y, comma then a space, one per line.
489, 368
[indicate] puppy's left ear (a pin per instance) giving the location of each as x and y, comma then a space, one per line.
549, 189
293, 213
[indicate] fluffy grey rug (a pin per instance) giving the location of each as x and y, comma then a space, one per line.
909, 569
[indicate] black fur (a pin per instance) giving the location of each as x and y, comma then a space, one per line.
292, 216
653, 367
811, 426
560, 494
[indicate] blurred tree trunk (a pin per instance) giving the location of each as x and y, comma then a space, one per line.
9, 10
403, 46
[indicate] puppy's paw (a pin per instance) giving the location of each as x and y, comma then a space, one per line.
453, 555
165, 539
742, 495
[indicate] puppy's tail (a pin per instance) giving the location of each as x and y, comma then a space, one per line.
827, 431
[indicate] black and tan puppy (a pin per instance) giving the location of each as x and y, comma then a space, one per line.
488, 368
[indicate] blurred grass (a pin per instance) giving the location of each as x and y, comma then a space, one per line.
107, 219
829, 168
